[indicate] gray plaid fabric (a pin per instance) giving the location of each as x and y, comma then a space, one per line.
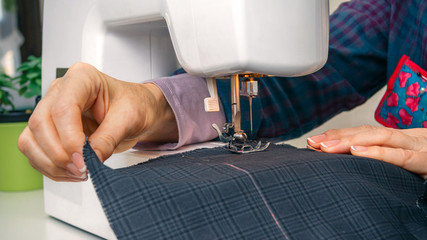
282, 193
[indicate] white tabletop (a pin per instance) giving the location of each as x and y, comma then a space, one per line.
22, 217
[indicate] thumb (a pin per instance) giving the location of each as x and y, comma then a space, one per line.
111, 136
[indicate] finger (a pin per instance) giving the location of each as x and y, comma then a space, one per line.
111, 133
334, 134
335, 146
124, 122
79, 90
89, 123
415, 132
40, 161
410, 160
314, 141
315, 149
43, 129
386, 137
393, 138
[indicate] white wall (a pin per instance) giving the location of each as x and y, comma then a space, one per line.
361, 115
333, 4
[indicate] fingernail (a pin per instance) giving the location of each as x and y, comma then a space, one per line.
312, 148
73, 179
329, 144
73, 170
79, 162
73, 176
359, 148
317, 138
84, 177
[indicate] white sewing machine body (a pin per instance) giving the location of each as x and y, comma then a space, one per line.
138, 40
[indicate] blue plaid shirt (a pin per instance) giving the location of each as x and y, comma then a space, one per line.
367, 39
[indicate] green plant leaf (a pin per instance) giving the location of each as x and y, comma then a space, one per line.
32, 93
6, 84
32, 75
34, 86
23, 80
28, 95
6, 100
4, 77
23, 90
9, 5
29, 78
24, 66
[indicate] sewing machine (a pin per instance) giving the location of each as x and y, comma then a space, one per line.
137, 40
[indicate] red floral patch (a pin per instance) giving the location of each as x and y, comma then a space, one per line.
392, 120
403, 105
406, 117
413, 90
403, 78
393, 100
413, 103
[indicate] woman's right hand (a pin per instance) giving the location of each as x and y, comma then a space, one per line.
115, 115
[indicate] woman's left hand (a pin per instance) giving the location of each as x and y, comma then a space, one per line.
406, 148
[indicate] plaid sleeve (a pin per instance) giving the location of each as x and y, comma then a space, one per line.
356, 69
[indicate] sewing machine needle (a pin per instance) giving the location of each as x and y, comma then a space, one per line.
250, 112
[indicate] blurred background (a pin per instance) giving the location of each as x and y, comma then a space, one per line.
20, 37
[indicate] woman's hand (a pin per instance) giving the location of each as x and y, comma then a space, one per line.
85, 102
406, 148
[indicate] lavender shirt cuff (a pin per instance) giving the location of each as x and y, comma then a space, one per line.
185, 94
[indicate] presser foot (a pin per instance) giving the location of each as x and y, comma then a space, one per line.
237, 141
248, 147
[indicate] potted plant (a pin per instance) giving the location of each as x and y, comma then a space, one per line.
16, 174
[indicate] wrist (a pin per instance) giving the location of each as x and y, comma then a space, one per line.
161, 122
